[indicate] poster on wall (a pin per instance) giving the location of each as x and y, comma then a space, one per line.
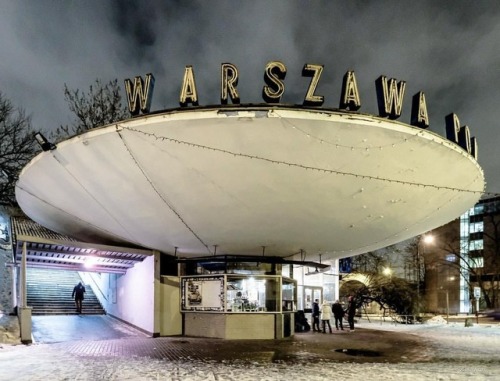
4, 232
203, 294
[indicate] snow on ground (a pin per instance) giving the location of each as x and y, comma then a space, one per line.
9, 330
460, 353
454, 341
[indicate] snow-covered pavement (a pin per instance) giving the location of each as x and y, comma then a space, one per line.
457, 353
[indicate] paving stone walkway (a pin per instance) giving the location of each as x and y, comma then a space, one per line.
108, 337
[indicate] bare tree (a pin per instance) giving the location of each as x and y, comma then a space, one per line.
102, 105
391, 257
391, 281
489, 279
17, 148
393, 294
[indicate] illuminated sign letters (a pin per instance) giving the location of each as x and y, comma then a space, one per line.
349, 97
140, 94
419, 116
460, 135
189, 94
274, 75
313, 71
229, 81
390, 95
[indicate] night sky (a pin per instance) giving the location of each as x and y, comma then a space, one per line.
450, 50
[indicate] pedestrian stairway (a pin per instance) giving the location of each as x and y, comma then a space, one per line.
49, 293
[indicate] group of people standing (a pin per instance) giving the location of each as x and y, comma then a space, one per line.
325, 312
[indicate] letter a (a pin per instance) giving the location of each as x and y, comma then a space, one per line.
188, 91
140, 92
419, 116
349, 99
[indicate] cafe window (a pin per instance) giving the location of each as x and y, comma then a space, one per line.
289, 295
238, 293
252, 294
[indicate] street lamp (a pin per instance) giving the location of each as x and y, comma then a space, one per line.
428, 238
387, 271
45, 145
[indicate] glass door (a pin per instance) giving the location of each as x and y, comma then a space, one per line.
310, 295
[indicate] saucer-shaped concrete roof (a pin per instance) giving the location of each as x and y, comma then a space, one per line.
251, 180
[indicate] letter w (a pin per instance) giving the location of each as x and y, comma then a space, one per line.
390, 97
139, 94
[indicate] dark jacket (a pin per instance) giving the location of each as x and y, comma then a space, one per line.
78, 291
337, 310
315, 309
351, 307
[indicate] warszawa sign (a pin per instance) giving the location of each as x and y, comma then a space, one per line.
390, 95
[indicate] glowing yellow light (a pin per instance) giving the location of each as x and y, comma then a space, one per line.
387, 271
428, 238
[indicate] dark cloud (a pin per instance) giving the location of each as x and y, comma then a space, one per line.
448, 49
133, 25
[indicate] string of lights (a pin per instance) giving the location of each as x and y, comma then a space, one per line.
301, 166
57, 157
349, 147
490, 194
58, 208
160, 195
413, 136
419, 133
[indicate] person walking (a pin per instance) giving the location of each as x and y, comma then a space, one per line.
315, 315
351, 312
326, 315
338, 314
78, 292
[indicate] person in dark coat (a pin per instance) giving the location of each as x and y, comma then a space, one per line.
301, 323
78, 292
338, 314
351, 312
315, 315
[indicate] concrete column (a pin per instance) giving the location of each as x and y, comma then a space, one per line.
22, 283
24, 314
13, 269
157, 295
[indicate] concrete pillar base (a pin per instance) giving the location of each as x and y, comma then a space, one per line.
24, 314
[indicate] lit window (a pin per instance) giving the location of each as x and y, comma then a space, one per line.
476, 245
478, 209
252, 294
451, 257
476, 227
476, 263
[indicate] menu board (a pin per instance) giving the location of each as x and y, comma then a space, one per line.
202, 294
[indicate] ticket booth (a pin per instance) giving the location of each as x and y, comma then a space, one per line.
241, 300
